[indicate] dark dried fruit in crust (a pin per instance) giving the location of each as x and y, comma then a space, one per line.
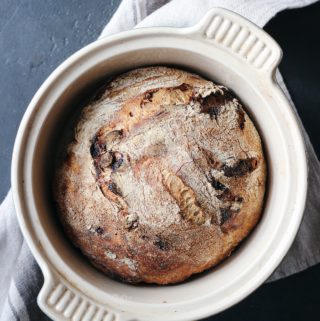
117, 160
226, 214
212, 103
99, 230
241, 167
217, 185
241, 117
97, 148
112, 186
161, 244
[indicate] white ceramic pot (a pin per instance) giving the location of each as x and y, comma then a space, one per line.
224, 47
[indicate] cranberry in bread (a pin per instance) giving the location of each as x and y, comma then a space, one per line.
164, 177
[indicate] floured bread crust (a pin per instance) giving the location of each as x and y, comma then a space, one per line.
164, 177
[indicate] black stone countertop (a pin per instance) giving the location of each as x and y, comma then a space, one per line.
36, 36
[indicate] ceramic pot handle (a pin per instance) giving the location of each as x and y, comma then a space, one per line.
62, 302
241, 38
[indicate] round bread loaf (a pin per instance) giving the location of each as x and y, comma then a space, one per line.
165, 176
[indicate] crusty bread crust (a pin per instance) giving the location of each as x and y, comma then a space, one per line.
164, 177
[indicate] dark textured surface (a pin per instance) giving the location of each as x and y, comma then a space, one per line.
35, 36
297, 32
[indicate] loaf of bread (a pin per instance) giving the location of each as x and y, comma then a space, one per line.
164, 177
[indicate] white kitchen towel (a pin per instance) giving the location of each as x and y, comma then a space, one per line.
21, 278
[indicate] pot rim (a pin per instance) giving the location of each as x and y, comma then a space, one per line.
197, 32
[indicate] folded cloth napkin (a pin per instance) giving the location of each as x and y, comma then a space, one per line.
21, 278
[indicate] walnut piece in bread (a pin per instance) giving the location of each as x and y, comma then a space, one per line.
165, 176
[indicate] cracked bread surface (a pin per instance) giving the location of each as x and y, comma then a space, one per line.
164, 177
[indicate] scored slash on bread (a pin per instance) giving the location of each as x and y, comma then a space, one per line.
165, 176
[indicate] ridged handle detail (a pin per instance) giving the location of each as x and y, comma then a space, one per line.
241, 38
62, 302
